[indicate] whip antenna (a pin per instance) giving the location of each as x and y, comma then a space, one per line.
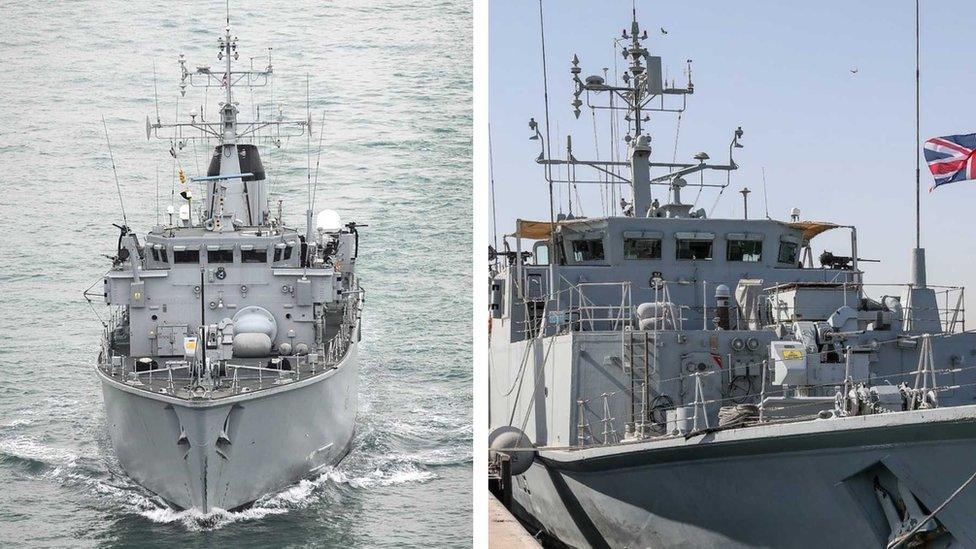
308, 166
545, 94
765, 199
156, 92
308, 143
157, 191
318, 157
548, 168
491, 186
116, 173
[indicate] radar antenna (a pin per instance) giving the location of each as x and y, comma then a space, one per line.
229, 129
235, 197
641, 92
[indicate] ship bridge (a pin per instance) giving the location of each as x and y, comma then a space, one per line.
194, 246
630, 258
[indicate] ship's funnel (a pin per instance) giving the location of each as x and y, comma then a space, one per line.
249, 160
244, 198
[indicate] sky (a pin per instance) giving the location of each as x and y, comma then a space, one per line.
838, 146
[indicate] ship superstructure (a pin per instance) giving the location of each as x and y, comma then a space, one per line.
661, 378
229, 362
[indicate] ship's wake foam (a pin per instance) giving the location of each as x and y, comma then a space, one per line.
101, 476
298, 496
394, 445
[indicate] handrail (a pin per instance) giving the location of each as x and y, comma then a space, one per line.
619, 317
580, 310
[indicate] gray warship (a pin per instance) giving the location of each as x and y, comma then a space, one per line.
228, 363
663, 378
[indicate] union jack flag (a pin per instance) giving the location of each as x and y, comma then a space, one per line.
951, 158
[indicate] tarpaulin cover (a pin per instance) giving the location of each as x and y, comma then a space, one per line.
533, 230
812, 228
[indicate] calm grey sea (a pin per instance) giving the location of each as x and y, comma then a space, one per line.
394, 81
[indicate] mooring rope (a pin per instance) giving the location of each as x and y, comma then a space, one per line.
898, 541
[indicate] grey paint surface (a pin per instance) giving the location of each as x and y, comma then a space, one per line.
234, 452
590, 381
229, 367
780, 486
63, 486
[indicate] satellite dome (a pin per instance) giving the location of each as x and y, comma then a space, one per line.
328, 221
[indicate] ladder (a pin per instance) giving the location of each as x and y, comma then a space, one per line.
637, 364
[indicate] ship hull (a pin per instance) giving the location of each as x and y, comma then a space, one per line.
803, 485
225, 454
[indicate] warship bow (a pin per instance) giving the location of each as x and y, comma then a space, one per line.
659, 377
228, 364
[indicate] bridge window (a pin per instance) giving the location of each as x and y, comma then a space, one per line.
588, 250
694, 249
642, 248
282, 251
220, 256
787, 252
744, 250
694, 245
254, 256
540, 253
186, 256
158, 252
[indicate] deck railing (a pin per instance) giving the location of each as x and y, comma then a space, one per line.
949, 309
585, 312
327, 355
575, 307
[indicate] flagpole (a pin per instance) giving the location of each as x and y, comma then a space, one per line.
918, 254
918, 142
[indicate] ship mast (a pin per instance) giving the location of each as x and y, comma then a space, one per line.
233, 199
644, 84
642, 91
227, 194
228, 47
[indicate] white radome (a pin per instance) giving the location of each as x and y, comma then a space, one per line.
328, 221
